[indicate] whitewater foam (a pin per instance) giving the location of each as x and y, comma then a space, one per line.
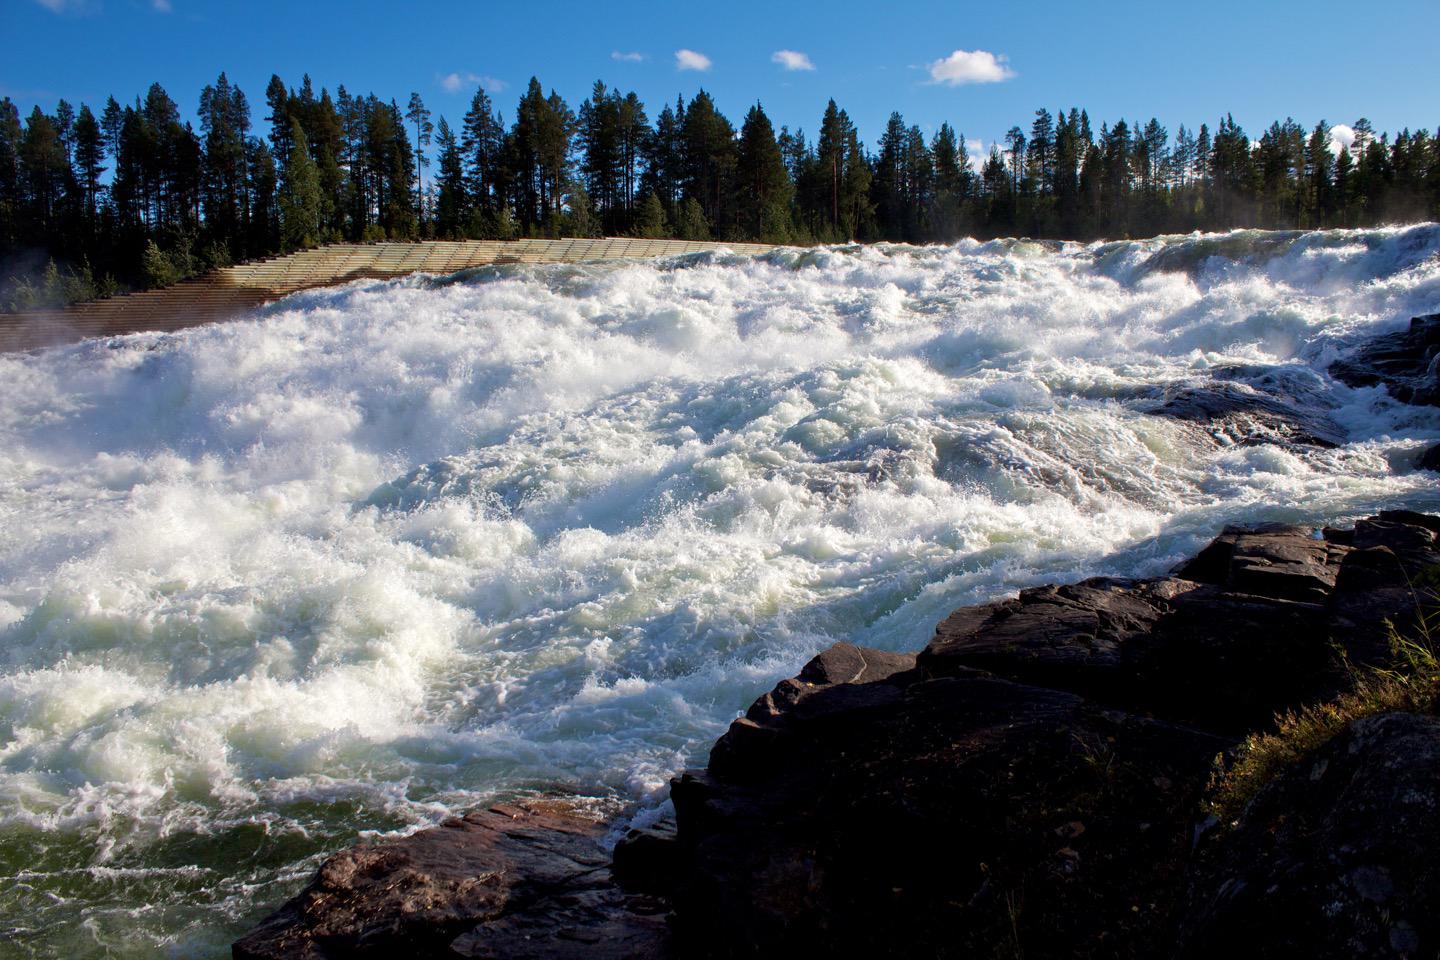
395, 549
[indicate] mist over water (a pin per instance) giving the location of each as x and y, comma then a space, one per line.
397, 549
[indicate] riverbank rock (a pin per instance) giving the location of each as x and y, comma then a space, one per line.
1335, 859
961, 816
514, 881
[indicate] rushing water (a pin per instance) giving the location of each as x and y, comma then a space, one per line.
394, 549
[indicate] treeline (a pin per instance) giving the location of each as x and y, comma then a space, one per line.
133, 196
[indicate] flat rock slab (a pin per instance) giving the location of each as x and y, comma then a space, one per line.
516, 880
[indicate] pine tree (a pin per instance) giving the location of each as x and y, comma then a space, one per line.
598, 130
278, 99
1319, 164
224, 121
419, 116
950, 184
44, 172
663, 157
857, 213
1041, 158
11, 192
709, 161
888, 188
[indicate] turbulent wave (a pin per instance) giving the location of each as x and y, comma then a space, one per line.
395, 549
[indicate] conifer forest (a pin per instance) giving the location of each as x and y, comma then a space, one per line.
114, 197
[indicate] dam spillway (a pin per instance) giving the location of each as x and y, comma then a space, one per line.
228, 292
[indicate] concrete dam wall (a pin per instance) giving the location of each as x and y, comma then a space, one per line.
229, 292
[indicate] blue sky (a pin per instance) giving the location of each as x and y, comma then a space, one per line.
983, 67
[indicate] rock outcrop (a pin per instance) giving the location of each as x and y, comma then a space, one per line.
1336, 858
1239, 410
1406, 363
516, 881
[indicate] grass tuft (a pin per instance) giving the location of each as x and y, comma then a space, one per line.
1411, 686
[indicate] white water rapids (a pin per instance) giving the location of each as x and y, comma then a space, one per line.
395, 549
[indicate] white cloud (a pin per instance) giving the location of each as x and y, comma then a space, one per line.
455, 82
970, 66
161, 6
690, 60
978, 153
1341, 137
633, 56
54, 6
792, 60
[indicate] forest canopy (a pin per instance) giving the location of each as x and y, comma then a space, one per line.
132, 196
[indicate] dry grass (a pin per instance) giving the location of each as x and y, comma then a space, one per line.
1412, 686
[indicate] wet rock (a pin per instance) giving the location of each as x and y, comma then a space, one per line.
513, 881
645, 859
1276, 561
1430, 459
1239, 413
1406, 363
1336, 859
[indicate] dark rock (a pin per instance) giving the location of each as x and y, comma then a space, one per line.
484, 885
1335, 859
1071, 637
1240, 413
1276, 561
1378, 581
962, 816
645, 860
1406, 363
1430, 459
1254, 625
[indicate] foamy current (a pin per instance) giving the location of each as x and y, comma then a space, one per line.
392, 550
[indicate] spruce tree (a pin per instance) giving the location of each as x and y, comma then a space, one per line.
89, 157
450, 201
650, 219
763, 197
300, 194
